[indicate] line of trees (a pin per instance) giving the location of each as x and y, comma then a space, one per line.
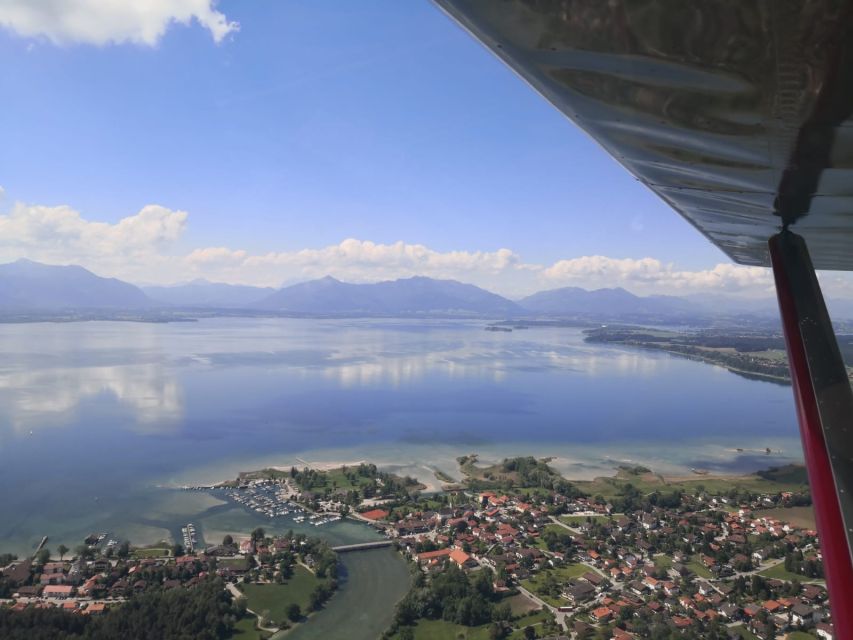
204, 612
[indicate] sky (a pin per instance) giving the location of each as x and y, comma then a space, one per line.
274, 141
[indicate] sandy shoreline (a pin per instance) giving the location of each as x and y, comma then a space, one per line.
575, 462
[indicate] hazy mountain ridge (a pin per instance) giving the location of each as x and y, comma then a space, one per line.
203, 293
25, 284
417, 295
32, 286
615, 301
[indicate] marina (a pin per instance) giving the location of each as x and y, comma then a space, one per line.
273, 499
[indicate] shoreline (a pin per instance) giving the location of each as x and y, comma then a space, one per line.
575, 462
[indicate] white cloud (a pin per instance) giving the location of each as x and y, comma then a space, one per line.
130, 248
144, 248
649, 275
102, 22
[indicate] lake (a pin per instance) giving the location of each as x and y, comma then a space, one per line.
95, 417
101, 421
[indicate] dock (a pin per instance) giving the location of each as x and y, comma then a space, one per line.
39, 548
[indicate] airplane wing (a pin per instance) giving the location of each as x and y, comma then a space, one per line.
737, 113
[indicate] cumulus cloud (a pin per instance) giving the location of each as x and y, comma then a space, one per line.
60, 235
102, 22
148, 247
652, 275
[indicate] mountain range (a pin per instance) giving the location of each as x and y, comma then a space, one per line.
31, 286
28, 285
202, 293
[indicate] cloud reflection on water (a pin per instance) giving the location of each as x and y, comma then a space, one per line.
34, 399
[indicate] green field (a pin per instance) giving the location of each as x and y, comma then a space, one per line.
797, 516
699, 569
745, 633
529, 621
152, 552
521, 605
551, 527
573, 521
780, 573
562, 574
789, 478
441, 630
233, 563
275, 598
245, 629
800, 635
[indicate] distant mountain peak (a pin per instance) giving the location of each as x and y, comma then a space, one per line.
414, 295
29, 285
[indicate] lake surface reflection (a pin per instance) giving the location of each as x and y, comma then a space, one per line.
96, 417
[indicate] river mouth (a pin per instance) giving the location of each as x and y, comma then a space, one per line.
370, 584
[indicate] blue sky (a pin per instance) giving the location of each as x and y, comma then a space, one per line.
313, 123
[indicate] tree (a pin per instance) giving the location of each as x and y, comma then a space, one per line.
258, 534
529, 633
294, 613
124, 550
62, 549
84, 552
227, 541
43, 555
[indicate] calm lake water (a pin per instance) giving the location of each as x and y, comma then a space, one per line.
94, 417
100, 421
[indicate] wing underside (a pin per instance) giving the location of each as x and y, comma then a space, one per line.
736, 113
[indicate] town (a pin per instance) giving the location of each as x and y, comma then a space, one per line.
537, 556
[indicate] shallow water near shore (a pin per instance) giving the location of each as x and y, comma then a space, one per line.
100, 421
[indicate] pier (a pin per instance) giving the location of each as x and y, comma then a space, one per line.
41, 545
363, 546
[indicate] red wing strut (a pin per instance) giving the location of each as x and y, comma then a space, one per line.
736, 113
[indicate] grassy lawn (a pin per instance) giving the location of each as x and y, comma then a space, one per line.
573, 521
275, 598
533, 618
233, 563
745, 633
663, 562
647, 483
551, 527
152, 552
797, 516
570, 571
780, 573
699, 569
531, 585
562, 574
521, 604
800, 635
441, 630
245, 630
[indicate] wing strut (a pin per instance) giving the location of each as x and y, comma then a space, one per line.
825, 412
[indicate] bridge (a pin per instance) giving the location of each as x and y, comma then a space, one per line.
363, 546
